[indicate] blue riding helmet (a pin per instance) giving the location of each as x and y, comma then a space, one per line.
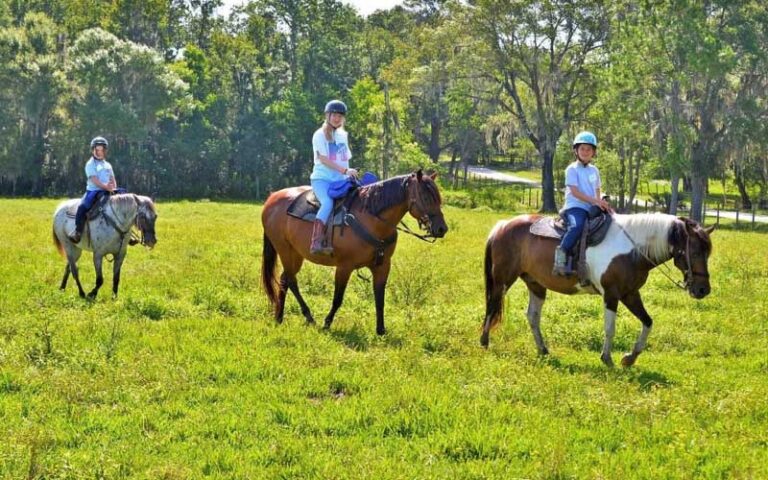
336, 106
585, 137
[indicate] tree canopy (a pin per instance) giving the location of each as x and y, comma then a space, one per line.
196, 104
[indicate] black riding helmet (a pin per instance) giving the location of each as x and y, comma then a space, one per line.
336, 106
99, 141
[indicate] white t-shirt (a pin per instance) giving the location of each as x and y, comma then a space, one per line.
584, 177
337, 152
100, 169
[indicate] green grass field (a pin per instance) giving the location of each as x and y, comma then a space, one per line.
185, 375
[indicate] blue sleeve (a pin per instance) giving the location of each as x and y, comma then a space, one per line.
571, 177
90, 169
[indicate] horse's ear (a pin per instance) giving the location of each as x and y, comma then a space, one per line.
433, 176
709, 230
419, 174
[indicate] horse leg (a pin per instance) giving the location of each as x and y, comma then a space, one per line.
609, 316
536, 297
72, 258
635, 305
97, 260
291, 265
380, 275
66, 277
494, 305
291, 283
118, 265
340, 285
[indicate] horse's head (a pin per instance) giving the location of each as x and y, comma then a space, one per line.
691, 248
424, 203
145, 220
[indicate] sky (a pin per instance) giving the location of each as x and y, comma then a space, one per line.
365, 7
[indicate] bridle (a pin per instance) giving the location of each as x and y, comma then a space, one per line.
689, 272
425, 220
686, 252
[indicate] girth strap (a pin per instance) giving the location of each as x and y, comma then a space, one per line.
378, 244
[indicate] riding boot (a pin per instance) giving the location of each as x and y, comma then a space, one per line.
318, 235
328, 240
560, 266
79, 224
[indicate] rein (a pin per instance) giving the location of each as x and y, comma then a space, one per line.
429, 238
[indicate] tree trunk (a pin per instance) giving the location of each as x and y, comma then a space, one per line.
548, 180
698, 189
746, 202
623, 178
674, 194
452, 170
434, 138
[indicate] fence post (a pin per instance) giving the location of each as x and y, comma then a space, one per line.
717, 222
704, 213
737, 216
754, 211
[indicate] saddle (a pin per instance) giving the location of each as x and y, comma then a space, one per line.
306, 205
555, 227
96, 210
594, 232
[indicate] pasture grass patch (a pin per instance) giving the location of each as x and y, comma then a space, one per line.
186, 374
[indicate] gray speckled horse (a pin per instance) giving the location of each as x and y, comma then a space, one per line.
108, 233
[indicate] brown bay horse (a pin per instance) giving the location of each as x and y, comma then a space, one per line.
618, 268
378, 208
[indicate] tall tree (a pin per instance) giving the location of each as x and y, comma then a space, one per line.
544, 54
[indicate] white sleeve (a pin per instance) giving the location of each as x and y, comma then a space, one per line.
319, 143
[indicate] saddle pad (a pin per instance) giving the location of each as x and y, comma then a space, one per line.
551, 227
306, 205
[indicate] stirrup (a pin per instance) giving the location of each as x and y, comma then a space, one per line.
75, 237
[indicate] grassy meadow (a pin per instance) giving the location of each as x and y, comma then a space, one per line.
186, 375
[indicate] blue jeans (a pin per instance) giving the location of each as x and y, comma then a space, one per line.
320, 188
86, 203
576, 218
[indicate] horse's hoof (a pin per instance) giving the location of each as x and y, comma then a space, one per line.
607, 360
383, 331
628, 360
327, 326
544, 352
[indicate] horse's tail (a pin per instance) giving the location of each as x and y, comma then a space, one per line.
494, 303
57, 243
268, 266
494, 290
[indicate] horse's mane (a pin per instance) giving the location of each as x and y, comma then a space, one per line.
384, 194
379, 196
126, 201
649, 231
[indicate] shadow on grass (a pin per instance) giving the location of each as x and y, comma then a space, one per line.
646, 380
360, 338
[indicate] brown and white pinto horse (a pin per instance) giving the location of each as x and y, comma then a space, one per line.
618, 268
379, 207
